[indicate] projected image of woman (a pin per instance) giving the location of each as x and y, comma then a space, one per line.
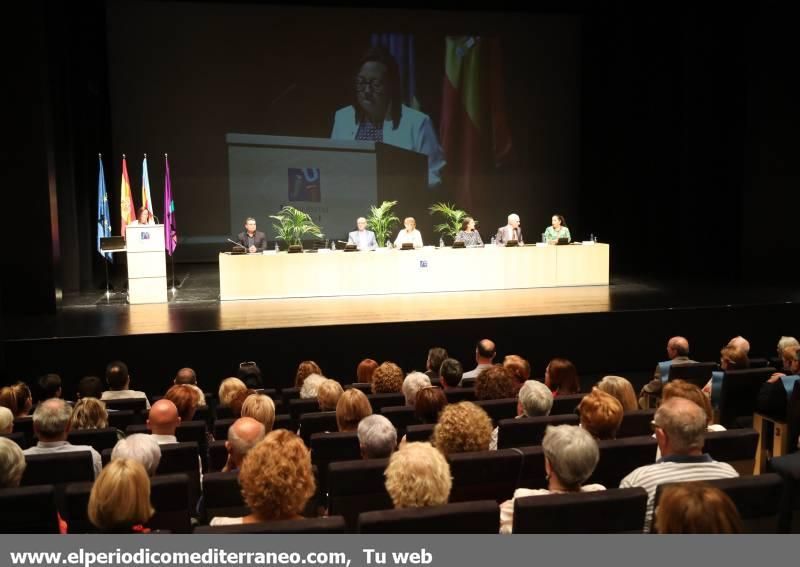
378, 113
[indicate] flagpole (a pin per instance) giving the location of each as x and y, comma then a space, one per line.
172, 261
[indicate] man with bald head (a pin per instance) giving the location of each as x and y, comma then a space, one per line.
680, 426
740, 343
162, 421
243, 434
678, 353
186, 376
484, 357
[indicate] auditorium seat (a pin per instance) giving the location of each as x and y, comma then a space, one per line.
788, 467
121, 419
785, 430
380, 401
202, 413
422, 432
300, 407
222, 495
17, 437
58, 468
24, 425
318, 422
505, 408
181, 458
455, 395
617, 510
566, 404
478, 517
636, 423
100, 439
217, 455
759, 363
401, 417
285, 421
28, 510
135, 404
289, 394
329, 447
188, 431
697, 373
618, 457
329, 525
355, 487
365, 387
467, 382
739, 393
223, 412
526, 431
737, 447
757, 498
221, 427
483, 475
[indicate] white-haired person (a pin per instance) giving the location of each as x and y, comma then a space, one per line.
511, 231
534, 400
570, 457
139, 447
6, 420
12, 464
377, 437
310, 388
418, 475
412, 384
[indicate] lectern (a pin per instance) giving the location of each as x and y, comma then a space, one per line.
147, 266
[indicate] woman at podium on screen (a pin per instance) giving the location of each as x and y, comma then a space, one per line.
145, 217
379, 115
409, 234
557, 229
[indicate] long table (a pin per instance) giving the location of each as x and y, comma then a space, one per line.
327, 273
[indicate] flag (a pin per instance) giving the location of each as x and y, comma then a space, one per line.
474, 127
170, 228
147, 200
103, 214
401, 46
128, 211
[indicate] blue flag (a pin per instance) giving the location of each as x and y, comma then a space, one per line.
103, 214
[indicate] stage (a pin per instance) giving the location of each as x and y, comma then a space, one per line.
620, 328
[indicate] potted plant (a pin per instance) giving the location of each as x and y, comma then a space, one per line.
452, 217
381, 220
293, 225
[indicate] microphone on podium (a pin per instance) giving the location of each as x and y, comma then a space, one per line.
236, 243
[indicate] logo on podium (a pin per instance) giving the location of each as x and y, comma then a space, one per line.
144, 236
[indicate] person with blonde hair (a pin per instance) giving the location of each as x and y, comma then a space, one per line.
276, 480
621, 389
412, 384
462, 427
88, 413
304, 370
12, 463
228, 390
570, 457
261, 408
387, 379
353, 406
6, 420
696, 508
328, 394
418, 476
120, 498
409, 235
600, 414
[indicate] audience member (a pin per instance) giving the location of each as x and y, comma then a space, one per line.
162, 421
429, 404
485, 352
310, 387
436, 356
328, 395
185, 398
412, 384
304, 370
494, 383
696, 508
90, 387
377, 437
250, 374
740, 343
141, 448
51, 426
680, 427
17, 398
687, 390
418, 476
387, 379
520, 370
276, 480
228, 390
730, 358
773, 396
451, 373
186, 376
88, 413
119, 381
364, 371
12, 465
49, 387
570, 457
6, 420
533, 400
677, 353
243, 434
621, 389
461, 428
238, 400
787, 357
561, 377
600, 414
261, 408
353, 406
120, 498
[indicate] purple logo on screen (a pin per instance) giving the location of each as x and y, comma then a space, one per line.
304, 184
144, 236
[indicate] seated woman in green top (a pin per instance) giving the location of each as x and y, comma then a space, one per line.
557, 230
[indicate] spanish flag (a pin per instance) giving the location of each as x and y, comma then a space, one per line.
127, 210
474, 127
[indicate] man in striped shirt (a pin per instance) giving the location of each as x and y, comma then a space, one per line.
680, 426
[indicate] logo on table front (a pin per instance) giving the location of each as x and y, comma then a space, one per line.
423, 263
144, 236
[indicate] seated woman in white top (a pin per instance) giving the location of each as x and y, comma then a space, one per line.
276, 480
570, 456
409, 234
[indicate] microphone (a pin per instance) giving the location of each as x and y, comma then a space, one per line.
156, 219
236, 243
342, 242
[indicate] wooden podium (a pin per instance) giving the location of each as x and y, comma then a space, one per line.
147, 266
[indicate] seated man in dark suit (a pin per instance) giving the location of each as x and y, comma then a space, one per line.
251, 239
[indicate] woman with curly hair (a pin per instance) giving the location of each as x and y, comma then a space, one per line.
417, 476
387, 378
276, 480
462, 427
494, 383
88, 413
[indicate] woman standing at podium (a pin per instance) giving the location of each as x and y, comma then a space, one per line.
145, 217
379, 115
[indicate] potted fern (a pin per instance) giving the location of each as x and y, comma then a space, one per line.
293, 224
381, 220
452, 219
